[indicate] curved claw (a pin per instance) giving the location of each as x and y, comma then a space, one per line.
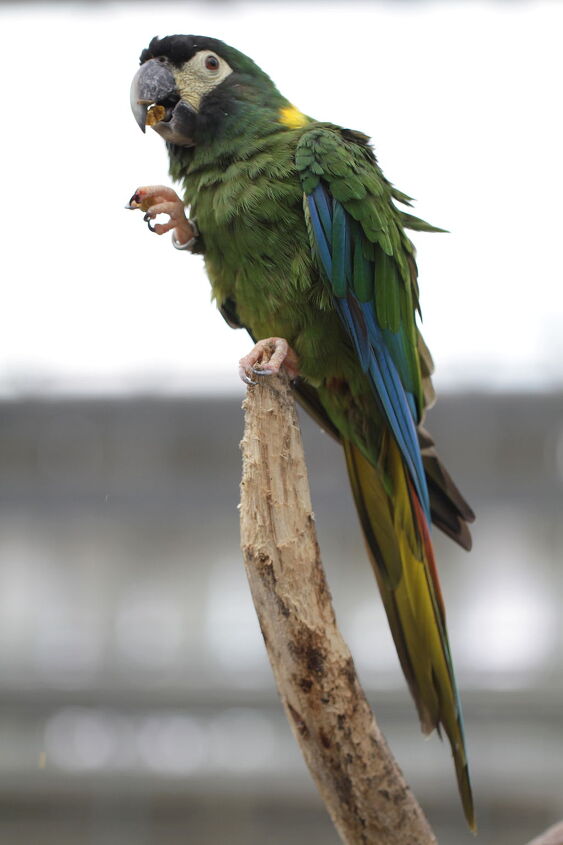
244, 377
264, 371
147, 218
134, 202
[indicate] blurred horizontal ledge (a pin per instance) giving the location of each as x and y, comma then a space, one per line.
515, 792
480, 704
193, 803
497, 445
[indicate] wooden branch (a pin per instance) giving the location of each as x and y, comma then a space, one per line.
553, 836
359, 781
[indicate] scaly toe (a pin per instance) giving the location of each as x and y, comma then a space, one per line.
267, 359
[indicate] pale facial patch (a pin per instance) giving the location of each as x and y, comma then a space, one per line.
199, 76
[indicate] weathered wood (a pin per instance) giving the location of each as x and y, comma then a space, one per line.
359, 781
553, 836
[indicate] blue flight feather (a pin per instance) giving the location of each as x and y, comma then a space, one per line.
323, 207
320, 239
412, 404
360, 338
395, 342
331, 230
381, 371
340, 250
400, 406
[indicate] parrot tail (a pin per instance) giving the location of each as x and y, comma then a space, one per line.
400, 549
450, 512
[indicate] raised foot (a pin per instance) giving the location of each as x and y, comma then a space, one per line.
267, 358
158, 199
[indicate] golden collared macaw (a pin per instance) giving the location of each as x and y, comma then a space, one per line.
305, 247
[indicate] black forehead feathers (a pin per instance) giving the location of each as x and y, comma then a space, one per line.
181, 48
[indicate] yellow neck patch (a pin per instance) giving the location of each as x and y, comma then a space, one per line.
291, 117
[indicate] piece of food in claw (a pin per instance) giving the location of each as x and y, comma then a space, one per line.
155, 114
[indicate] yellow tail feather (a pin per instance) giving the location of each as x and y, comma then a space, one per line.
401, 554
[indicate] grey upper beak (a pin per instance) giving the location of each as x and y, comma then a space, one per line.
152, 82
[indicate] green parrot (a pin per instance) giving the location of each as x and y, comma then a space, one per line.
305, 248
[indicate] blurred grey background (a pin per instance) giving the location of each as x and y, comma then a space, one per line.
136, 703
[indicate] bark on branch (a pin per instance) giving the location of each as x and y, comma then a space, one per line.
358, 779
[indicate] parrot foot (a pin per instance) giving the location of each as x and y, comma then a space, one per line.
158, 199
267, 358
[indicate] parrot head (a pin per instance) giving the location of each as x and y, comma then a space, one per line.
190, 88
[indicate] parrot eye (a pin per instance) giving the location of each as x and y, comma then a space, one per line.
212, 63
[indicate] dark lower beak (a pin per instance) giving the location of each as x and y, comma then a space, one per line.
152, 83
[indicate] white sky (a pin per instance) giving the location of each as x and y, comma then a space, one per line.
463, 101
